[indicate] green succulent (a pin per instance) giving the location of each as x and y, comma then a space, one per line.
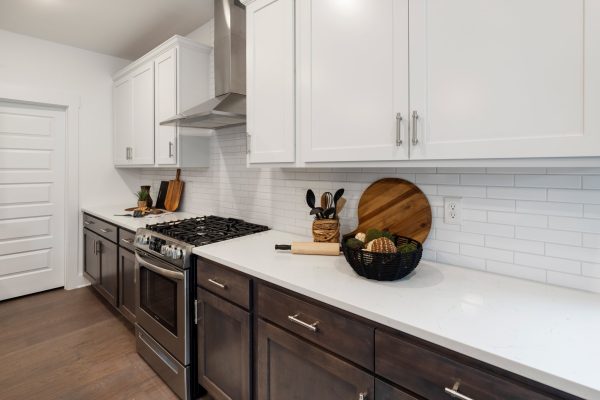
406, 248
142, 195
354, 244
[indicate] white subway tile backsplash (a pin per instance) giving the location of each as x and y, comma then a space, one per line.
591, 182
548, 263
549, 181
591, 211
590, 240
519, 271
573, 253
575, 224
522, 222
488, 229
540, 221
487, 180
464, 261
574, 281
548, 208
486, 253
574, 196
592, 270
548, 235
516, 193
526, 246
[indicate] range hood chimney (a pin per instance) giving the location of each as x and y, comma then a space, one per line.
228, 108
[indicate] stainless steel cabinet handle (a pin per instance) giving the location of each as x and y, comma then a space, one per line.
455, 394
415, 120
398, 129
105, 230
95, 247
98, 247
218, 284
311, 327
248, 138
128, 241
363, 396
88, 222
170, 149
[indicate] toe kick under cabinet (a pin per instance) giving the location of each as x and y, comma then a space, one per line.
109, 262
260, 341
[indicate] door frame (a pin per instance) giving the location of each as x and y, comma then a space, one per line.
70, 103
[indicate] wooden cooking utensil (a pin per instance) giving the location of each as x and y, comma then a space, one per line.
397, 206
174, 193
321, 249
340, 206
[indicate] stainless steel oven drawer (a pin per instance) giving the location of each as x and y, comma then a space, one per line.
175, 375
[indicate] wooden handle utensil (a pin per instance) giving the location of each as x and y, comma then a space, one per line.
320, 249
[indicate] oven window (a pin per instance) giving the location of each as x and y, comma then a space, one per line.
158, 297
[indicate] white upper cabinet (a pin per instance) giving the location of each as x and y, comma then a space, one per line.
122, 121
505, 78
270, 81
353, 80
142, 115
165, 107
166, 81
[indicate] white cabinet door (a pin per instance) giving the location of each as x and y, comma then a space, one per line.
142, 88
165, 69
505, 78
271, 83
353, 80
122, 121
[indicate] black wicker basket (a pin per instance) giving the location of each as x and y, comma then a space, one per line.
383, 266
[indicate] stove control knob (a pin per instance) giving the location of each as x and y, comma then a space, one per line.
176, 253
163, 249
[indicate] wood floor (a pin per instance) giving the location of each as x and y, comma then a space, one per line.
69, 345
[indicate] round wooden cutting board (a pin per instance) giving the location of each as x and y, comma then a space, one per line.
397, 206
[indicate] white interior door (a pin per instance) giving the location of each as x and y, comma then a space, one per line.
32, 181
353, 80
505, 78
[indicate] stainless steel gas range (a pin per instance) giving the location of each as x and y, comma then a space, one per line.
166, 295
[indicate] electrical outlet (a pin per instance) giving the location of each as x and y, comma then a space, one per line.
452, 210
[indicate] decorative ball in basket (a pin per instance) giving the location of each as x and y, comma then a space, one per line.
394, 219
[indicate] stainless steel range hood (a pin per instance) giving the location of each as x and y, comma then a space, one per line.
228, 108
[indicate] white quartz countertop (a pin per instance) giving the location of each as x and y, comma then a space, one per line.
545, 333
109, 214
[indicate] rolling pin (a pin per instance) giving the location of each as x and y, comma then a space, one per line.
320, 249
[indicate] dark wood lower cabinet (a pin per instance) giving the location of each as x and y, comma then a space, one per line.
224, 344
127, 283
289, 368
91, 261
384, 391
109, 280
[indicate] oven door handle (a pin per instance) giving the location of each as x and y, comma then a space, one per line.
167, 273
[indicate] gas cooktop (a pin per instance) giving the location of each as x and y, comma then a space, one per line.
205, 230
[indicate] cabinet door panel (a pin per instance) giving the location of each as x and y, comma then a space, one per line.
122, 121
223, 348
166, 106
91, 261
142, 86
504, 78
292, 369
127, 283
353, 79
384, 391
271, 82
108, 285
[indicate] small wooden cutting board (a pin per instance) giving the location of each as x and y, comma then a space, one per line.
174, 193
397, 206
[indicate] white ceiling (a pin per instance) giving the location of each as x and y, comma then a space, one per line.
121, 28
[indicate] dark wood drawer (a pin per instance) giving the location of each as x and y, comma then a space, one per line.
224, 282
326, 327
430, 374
384, 391
102, 228
126, 239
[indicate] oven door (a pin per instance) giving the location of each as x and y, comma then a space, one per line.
162, 304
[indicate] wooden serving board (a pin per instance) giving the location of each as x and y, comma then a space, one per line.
397, 206
174, 193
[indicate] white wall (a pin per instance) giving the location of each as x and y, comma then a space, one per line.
203, 34
37, 64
